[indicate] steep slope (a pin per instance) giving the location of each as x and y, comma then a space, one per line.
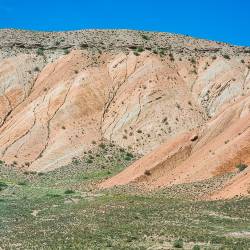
150, 102
214, 150
181, 102
17, 76
76, 101
59, 114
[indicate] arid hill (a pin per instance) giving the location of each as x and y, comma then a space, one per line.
182, 103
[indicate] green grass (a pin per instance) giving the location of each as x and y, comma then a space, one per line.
63, 210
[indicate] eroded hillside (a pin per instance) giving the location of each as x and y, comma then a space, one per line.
181, 102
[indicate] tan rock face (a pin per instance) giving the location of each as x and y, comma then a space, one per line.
150, 104
17, 76
60, 117
186, 112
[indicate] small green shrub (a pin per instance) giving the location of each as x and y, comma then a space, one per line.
22, 183
89, 161
129, 154
196, 247
3, 185
69, 191
226, 57
193, 60
84, 45
75, 161
171, 57
241, 166
140, 49
66, 51
178, 243
53, 195
102, 145
29, 172
145, 37
40, 52
162, 52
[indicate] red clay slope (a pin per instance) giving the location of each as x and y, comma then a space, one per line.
221, 144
